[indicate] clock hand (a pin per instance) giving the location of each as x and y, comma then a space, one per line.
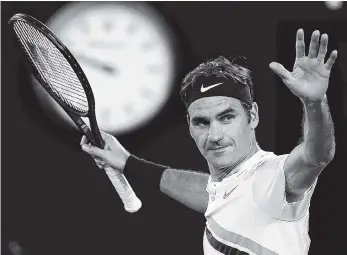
96, 63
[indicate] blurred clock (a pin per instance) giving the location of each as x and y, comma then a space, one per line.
127, 53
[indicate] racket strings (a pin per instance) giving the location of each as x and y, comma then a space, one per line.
52, 66
42, 54
45, 57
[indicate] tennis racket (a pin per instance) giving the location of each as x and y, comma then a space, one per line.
56, 69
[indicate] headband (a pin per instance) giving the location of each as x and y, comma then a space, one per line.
212, 86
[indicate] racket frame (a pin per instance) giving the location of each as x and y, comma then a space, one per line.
93, 133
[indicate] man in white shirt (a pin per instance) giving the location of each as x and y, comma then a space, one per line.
256, 202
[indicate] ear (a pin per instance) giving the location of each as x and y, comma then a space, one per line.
188, 121
254, 115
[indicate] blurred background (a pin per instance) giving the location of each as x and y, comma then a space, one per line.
56, 201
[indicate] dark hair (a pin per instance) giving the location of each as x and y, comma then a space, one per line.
222, 67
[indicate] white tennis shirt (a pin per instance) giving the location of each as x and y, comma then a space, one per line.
248, 213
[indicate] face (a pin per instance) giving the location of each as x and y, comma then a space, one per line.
221, 129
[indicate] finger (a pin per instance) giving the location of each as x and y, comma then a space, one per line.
314, 44
109, 139
94, 151
330, 62
100, 166
300, 44
96, 158
105, 136
99, 161
84, 140
323, 47
280, 70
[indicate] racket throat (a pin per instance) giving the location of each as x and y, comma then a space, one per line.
83, 127
96, 132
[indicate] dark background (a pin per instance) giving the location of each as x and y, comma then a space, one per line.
55, 201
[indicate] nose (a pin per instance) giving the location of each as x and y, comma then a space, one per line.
215, 133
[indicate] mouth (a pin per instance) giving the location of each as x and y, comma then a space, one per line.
218, 149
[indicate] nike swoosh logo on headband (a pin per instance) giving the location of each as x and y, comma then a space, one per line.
204, 89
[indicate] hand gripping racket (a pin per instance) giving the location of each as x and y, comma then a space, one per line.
56, 69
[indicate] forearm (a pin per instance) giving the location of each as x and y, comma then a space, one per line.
187, 187
318, 133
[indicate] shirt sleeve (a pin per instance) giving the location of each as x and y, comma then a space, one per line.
269, 192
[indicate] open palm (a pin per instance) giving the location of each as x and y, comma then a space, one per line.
310, 76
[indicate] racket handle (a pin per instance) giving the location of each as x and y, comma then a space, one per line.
131, 202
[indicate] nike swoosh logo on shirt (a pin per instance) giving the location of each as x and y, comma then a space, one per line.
228, 193
204, 89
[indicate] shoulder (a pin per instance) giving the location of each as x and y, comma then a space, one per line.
274, 160
269, 163
269, 190
269, 184
268, 169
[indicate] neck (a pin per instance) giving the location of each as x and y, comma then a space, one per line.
219, 174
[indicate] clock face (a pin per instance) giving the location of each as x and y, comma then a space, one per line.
126, 52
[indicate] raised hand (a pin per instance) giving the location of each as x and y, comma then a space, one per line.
113, 155
309, 79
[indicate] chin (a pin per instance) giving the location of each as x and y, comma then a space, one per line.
221, 157
220, 162
220, 165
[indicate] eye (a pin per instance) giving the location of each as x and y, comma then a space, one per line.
227, 117
200, 123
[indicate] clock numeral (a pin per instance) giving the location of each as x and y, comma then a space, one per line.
147, 92
132, 28
153, 68
83, 26
108, 25
147, 45
128, 108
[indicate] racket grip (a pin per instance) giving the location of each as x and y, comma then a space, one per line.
131, 202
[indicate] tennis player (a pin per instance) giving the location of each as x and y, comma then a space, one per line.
254, 201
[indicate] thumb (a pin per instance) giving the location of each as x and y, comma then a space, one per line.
280, 70
107, 137
94, 151
84, 140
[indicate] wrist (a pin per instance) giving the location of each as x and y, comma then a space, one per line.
313, 102
126, 159
140, 169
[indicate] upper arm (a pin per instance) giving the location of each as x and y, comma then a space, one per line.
300, 174
187, 187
